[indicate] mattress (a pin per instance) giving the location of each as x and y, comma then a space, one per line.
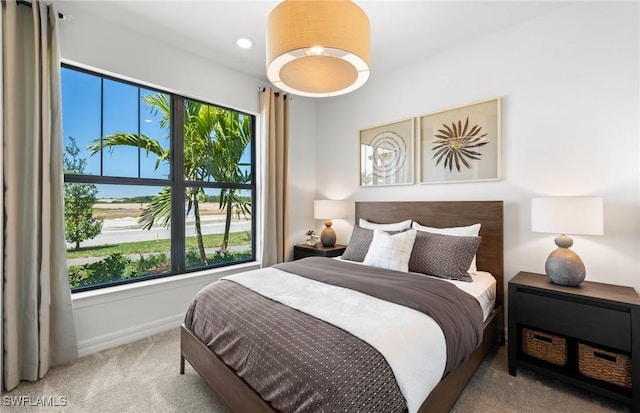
483, 288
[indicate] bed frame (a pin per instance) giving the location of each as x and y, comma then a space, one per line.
240, 397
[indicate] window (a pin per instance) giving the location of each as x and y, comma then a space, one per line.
155, 184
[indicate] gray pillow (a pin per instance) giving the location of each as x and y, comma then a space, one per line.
358, 245
444, 256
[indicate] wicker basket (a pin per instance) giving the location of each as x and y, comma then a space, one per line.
604, 365
543, 346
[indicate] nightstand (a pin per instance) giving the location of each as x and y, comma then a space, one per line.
588, 335
303, 251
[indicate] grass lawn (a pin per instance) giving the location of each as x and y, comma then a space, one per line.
163, 245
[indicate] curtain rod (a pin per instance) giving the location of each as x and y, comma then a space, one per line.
277, 92
28, 4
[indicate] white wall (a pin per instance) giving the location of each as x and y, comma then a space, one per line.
302, 168
569, 83
110, 317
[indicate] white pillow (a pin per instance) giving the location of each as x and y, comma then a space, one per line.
391, 251
397, 226
470, 231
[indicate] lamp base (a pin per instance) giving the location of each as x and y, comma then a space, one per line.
564, 267
328, 235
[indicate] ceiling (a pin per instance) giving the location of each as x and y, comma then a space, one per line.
401, 31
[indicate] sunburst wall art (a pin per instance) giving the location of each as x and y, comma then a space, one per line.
386, 154
461, 144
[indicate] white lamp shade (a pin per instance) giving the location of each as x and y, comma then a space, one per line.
328, 209
567, 215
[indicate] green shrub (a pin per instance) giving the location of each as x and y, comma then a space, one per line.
117, 267
108, 269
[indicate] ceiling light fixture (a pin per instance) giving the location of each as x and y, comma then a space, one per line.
244, 42
318, 48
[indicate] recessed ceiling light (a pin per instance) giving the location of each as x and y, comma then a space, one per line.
244, 42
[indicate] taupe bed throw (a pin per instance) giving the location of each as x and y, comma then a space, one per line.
296, 362
456, 312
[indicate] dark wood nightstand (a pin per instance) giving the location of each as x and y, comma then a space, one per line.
303, 251
602, 318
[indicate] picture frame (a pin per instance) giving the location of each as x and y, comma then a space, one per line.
387, 154
461, 144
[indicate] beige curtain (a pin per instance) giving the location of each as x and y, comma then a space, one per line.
274, 115
38, 328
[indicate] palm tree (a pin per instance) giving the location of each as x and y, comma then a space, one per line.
233, 134
209, 134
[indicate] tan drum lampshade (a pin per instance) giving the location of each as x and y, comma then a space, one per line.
318, 48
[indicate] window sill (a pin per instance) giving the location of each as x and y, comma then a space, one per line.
127, 291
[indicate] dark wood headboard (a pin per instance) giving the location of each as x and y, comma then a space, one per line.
451, 214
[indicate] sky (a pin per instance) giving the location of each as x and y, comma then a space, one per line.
93, 107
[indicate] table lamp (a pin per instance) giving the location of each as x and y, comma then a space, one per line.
566, 215
328, 209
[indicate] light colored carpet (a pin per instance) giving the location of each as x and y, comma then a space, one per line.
144, 377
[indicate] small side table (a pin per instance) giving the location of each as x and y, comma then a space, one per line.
303, 251
601, 316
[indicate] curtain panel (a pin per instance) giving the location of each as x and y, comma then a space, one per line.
38, 327
274, 125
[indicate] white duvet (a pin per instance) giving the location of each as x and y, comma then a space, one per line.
411, 342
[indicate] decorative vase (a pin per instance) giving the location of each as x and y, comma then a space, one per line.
312, 240
563, 266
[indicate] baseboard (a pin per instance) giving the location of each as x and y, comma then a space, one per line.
128, 335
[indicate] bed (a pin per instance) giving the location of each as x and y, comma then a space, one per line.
241, 397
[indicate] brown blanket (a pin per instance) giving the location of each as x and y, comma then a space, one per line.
296, 362
456, 312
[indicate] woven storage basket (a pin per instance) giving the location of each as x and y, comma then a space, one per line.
543, 346
604, 365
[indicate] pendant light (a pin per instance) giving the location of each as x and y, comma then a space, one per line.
318, 48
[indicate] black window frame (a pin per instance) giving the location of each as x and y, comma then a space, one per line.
176, 182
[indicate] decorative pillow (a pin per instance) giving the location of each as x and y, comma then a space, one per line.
391, 251
358, 245
444, 256
469, 231
396, 226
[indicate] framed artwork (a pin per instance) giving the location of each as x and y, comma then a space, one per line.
461, 144
386, 154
